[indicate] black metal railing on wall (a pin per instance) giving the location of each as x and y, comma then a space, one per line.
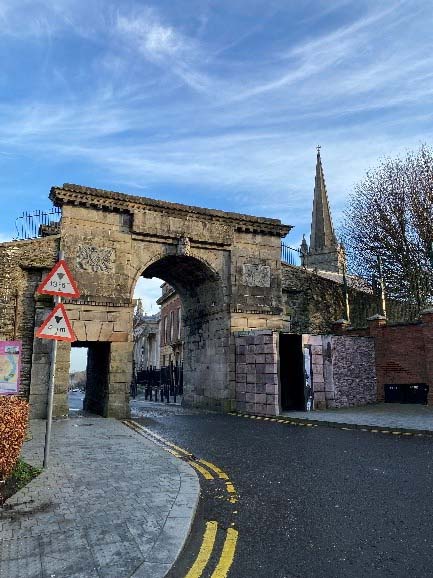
37, 223
160, 384
290, 255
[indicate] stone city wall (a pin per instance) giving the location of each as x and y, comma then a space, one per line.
314, 303
225, 267
349, 371
403, 352
343, 371
256, 370
22, 267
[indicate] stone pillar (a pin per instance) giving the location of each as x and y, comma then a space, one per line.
376, 324
427, 329
256, 370
315, 342
328, 374
120, 376
40, 364
61, 380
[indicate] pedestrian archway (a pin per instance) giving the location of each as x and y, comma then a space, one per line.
205, 323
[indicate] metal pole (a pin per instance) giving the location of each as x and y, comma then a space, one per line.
382, 286
346, 295
50, 400
51, 391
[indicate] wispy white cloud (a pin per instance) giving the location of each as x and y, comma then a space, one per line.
152, 38
161, 101
163, 45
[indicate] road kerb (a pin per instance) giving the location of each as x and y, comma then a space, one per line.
202, 466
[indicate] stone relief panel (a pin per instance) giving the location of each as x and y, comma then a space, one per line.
256, 275
95, 259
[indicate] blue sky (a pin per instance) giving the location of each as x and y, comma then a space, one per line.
218, 103
215, 103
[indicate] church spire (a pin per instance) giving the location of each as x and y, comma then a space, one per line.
322, 230
324, 253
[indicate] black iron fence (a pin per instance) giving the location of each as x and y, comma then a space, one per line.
290, 255
37, 223
160, 384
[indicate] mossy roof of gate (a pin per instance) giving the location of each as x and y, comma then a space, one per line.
115, 201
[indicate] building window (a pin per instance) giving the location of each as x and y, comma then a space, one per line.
165, 330
171, 326
179, 323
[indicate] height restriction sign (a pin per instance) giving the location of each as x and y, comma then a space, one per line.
57, 326
60, 282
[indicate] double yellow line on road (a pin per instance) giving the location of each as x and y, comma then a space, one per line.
209, 472
335, 425
206, 549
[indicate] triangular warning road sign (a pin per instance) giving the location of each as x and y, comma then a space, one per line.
57, 326
59, 281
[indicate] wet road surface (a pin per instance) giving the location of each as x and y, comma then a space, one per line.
313, 502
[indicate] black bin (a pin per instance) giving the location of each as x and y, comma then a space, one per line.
406, 393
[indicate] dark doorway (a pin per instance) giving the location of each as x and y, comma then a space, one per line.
98, 364
292, 378
97, 371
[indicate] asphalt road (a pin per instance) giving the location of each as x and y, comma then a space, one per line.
313, 502
75, 400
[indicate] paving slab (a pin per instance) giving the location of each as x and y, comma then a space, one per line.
404, 417
110, 504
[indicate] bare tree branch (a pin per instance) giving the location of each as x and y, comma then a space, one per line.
390, 214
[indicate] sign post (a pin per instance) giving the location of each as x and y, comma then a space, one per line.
59, 283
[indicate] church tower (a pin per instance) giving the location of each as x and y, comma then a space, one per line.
324, 253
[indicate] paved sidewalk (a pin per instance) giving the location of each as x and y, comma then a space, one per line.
111, 504
404, 417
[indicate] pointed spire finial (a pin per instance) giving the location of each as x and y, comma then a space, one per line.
324, 252
322, 229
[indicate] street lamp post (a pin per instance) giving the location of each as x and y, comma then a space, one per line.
381, 286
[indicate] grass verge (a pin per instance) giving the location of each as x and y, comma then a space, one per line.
21, 475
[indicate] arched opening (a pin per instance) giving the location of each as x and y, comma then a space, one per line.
196, 331
147, 356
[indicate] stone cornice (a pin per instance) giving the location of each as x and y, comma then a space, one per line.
166, 296
71, 194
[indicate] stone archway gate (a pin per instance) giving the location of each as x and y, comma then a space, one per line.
225, 266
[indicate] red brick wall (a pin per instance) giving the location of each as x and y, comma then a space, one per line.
404, 353
400, 355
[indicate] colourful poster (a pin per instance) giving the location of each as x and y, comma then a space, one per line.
10, 367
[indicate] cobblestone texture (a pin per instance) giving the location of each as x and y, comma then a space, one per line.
111, 504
